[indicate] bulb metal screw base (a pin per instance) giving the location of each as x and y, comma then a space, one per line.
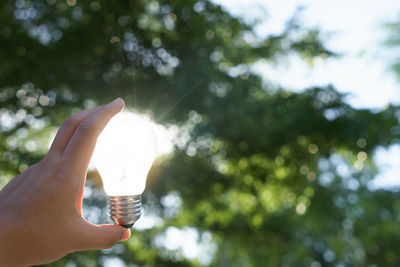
125, 210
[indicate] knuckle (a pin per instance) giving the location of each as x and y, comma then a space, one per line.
49, 159
86, 128
70, 121
103, 112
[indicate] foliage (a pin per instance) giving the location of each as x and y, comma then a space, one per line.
392, 44
274, 177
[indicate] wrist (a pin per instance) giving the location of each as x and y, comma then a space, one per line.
3, 240
8, 244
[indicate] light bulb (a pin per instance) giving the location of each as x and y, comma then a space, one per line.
124, 154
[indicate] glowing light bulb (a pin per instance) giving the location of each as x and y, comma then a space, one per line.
124, 154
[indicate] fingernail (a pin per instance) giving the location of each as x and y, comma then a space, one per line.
118, 101
125, 236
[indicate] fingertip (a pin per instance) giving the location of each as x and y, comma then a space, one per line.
126, 234
101, 236
121, 100
118, 102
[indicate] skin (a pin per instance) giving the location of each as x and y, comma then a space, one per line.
41, 208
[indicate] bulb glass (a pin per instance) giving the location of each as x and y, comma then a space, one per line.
124, 154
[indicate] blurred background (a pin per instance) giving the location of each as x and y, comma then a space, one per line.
285, 120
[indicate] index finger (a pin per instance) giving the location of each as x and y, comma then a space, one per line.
67, 130
77, 155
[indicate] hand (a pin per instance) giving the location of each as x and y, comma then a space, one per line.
41, 208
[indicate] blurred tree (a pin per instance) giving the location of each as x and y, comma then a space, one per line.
393, 43
266, 176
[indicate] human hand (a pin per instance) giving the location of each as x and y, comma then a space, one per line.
41, 208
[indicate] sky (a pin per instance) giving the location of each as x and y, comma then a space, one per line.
356, 31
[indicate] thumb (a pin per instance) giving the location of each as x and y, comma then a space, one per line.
102, 236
